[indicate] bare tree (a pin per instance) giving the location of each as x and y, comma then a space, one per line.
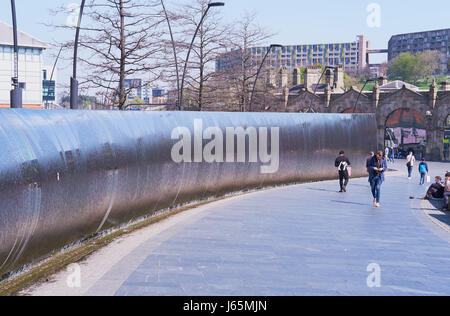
206, 48
240, 73
120, 39
430, 63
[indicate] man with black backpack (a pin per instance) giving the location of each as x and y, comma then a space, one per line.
342, 163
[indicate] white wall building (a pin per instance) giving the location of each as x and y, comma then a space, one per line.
30, 67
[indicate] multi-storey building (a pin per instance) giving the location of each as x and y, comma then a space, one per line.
416, 43
31, 67
145, 92
133, 88
352, 56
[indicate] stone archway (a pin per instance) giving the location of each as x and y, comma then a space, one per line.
443, 137
440, 130
401, 99
406, 130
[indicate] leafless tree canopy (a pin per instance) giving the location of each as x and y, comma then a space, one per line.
209, 43
120, 38
149, 40
246, 35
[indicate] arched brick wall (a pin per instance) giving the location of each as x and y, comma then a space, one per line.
442, 111
383, 103
348, 100
303, 101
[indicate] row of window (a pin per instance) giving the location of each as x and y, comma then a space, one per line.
441, 33
303, 62
305, 48
22, 50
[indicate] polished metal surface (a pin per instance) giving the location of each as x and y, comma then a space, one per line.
67, 174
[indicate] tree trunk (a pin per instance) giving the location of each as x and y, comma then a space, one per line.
122, 95
202, 74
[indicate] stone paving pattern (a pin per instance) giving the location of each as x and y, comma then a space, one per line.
306, 239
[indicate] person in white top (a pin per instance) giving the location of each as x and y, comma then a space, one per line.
410, 160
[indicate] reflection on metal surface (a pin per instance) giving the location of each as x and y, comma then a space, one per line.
67, 174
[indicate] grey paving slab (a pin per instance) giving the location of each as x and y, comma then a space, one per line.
306, 239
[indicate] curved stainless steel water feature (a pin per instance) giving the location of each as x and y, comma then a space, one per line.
67, 174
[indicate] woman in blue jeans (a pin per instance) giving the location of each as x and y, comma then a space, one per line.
410, 159
377, 167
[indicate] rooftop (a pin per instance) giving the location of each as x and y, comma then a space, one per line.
24, 39
397, 85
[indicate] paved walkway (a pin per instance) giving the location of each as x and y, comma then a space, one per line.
306, 239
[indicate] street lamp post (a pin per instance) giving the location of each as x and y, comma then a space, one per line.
73, 79
174, 51
51, 76
310, 110
16, 93
212, 4
257, 74
359, 95
429, 127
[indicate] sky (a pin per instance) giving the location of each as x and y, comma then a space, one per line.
295, 22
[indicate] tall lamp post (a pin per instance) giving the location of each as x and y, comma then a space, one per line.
210, 5
73, 79
174, 51
51, 76
257, 74
429, 127
359, 95
310, 110
16, 93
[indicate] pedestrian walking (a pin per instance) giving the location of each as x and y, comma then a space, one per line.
446, 191
392, 155
423, 170
410, 160
371, 155
377, 167
342, 163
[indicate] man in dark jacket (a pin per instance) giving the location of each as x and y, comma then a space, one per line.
377, 168
436, 190
342, 163
368, 160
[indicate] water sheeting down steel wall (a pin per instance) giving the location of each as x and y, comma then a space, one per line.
67, 174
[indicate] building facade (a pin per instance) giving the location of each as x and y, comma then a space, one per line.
31, 67
351, 56
416, 43
133, 88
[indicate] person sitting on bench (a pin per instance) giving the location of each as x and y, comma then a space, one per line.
436, 190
